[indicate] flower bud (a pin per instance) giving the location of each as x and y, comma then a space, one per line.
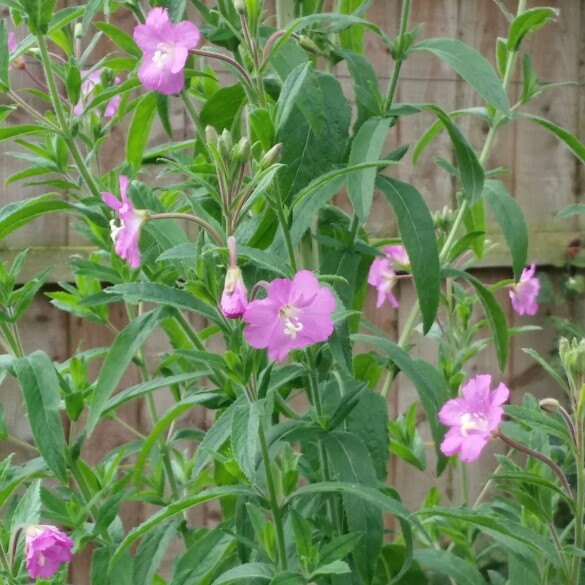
272, 156
234, 298
225, 143
211, 135
308, 44
572, 356
78, 31
240, 6
107, 77
243, 150
46, 548
549, 405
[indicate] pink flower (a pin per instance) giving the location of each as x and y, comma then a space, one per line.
127, 234
523, 294
382, 273
473, 417
166, 48
294, 315
46, 548
11, 42
234, 298
87, 87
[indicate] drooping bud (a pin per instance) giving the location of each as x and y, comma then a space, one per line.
240, 6
272, 156
549, 405
234, 298
243, 150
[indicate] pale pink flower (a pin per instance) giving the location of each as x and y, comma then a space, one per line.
46, 548
127, 234
234, 298
382, 273
87, 88
295, 314
473, 417
166, 48
11, 42
523, 294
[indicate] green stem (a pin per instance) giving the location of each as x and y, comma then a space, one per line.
189, 217
400, 58
189, 331
13, 343
273, 500
315, 399
225, 59
579, 505
58, 107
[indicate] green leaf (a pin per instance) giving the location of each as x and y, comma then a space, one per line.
123, 40
221, 108
470, 169
426, 388
39, 14
470, 65
369, 421
244, 435
215, 437
178, 507
350, 462
152, 550
474, 220
445, 563
510, 535
12, 131
418, 236
301, 89
570, 210
366, 147
529, 21
265, 259
202, 559
548, 369
510, 218
365, 85
260, 571
352, 38
493, 312
92, 8
164, 295
139, 130
541, 420
118, 573
306, 155
332, 568
570, 140
42, 395
123, 350
288, 578
4, 57
146, 387
28, 509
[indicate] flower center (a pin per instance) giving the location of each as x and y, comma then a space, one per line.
116, 229
162, 54
41, 560
292, 325
473, 422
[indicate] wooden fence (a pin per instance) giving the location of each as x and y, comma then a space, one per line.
544, 177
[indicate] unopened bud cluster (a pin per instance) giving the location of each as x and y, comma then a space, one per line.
224, 143
443, 220
572, 354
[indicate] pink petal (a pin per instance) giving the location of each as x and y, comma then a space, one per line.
177, 64
472, 446
187, 35
111, 201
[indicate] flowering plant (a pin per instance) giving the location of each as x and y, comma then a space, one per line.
224, 248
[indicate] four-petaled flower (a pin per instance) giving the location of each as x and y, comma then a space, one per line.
382, 273
295, 314
87, 88
234, 298
524, 293
46, 548
127, 234
473, 417
166, 48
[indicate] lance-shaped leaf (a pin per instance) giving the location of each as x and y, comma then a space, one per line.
418, 236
